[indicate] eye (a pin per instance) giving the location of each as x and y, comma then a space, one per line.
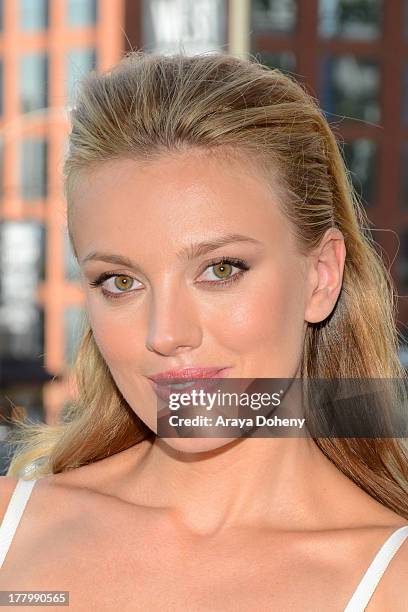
122, 282
222, 269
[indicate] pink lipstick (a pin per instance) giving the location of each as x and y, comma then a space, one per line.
185, 380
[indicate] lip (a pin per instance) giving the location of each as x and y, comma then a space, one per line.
189, 373
201, 380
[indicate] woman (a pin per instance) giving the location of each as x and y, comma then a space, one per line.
215, 228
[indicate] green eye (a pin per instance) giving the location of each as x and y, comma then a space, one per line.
123, 282
224, 269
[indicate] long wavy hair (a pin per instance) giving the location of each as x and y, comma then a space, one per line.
151, 104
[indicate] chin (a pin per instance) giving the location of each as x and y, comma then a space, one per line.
197, 445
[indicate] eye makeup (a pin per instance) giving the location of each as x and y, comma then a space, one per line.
239, 263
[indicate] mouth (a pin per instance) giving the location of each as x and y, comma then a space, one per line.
182, 385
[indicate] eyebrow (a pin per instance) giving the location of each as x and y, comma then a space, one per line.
189, 252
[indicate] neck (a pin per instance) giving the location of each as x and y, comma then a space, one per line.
278, 483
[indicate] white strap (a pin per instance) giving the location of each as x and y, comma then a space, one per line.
15, 509
371, 578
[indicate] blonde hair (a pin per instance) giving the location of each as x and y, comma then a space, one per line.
150, 104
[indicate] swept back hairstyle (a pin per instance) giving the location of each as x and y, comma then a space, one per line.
149, 105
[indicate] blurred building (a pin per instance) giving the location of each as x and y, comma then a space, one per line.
45, 46
351, 54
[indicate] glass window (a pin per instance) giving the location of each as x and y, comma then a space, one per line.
350, 87
34, 14
1, 86
42, 253
79, 63
404, 175
360, 156
73, 325
2, 190
21, 318
33, 168
71, 268
1, 15
351, 19
284, 60
405, 94
403, 264
406, 20
403, 355
34, 81
278, 16
82, 12
197, 27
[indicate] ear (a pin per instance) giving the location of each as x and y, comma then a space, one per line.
325, 276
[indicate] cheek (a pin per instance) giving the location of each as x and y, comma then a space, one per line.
266, 322
119, 339
122, 347
269, 310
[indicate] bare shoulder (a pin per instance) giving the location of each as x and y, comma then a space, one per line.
7, 486
399, 569
393, 587
46, 494
99, 478
88, 487
93, 483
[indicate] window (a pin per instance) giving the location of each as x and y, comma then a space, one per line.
277, 16
34, 81
2, 189
403, 267
1, 87
78, 63
404, 175
284, 60
41, 253
405, 94
33, 15
197, 27
82, 12
350, 19
350, 87
71, 268
21, 319
33, 168
360, 156
406, 20
73, 322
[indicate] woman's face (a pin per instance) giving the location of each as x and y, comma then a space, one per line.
173, 304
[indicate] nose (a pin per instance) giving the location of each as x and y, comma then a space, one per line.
174, 324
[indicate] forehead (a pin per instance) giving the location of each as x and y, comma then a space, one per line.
182, 171
187, 193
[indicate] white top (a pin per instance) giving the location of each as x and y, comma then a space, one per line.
357, 603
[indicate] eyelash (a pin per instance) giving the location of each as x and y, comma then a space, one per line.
238, 263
